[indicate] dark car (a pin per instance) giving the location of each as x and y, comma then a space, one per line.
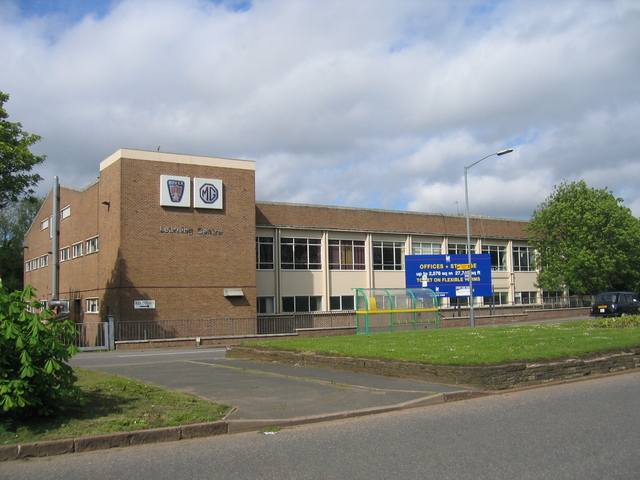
613, 304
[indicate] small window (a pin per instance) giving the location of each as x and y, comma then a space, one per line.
65, 212
92, 305
27, 266
64, 254
76, 250
92, 245
266, 305
44, 224
44, 260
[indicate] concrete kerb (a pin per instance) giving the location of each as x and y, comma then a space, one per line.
200, 430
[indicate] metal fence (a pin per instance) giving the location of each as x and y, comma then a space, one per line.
93, 336
218, 327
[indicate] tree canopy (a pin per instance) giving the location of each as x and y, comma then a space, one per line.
16, 161
15, 220
585, 241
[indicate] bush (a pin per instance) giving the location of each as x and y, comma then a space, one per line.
34, 378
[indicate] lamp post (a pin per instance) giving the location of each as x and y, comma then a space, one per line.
466, 197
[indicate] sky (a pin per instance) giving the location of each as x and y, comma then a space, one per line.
359, 103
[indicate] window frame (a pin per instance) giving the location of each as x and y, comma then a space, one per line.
263, 304
74, 250
340, 299
347, 255
261, 262
497, 266
518, 254
92, 305
91, 243
419, 248
65, 254
298, 253
298, 301
392, 260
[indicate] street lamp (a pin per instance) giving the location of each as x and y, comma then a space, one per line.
466, 197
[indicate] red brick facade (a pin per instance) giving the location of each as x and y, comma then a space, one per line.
184, 273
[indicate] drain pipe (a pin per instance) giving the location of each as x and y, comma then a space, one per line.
55, 247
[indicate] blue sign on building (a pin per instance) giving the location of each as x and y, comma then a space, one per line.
441, 273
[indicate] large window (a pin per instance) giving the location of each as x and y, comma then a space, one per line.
266, 305
498, 257
388, 255
523, 258
346, 255
302, 304
342, 302
264, 254
300, 254
427, 248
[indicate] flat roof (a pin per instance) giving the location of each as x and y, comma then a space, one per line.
176, 158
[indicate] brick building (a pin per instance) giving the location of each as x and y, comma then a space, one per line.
163, 236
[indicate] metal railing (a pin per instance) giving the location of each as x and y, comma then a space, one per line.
218, 327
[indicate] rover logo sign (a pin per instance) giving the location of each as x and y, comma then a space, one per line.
208, 193
175, 191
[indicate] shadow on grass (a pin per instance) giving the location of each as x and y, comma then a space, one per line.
92, 405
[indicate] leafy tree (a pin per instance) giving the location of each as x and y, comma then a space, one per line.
16, 161
34, 349
585, 241
15, 220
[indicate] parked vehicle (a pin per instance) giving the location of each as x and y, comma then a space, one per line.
612, 304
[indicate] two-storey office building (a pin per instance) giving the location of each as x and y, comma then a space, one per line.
163, 236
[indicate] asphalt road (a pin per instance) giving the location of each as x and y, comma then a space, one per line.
258, 390
583, 430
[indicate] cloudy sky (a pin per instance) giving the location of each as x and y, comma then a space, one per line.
364, 103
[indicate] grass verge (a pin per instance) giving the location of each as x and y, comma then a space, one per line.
473, 346
113, 404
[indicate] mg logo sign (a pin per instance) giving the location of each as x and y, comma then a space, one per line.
208, 193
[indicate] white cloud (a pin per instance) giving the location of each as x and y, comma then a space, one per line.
342, 102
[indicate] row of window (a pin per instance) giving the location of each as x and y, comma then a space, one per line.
75, 250
305, 254
35, 263
64, 213
305, 303
300, 304
66, 253
91, 305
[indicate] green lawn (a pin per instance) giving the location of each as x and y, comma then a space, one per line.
478, 345
113, 404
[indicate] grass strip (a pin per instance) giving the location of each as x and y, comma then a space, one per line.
113, 404
474, 346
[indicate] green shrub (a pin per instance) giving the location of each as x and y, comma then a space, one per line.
34, 378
